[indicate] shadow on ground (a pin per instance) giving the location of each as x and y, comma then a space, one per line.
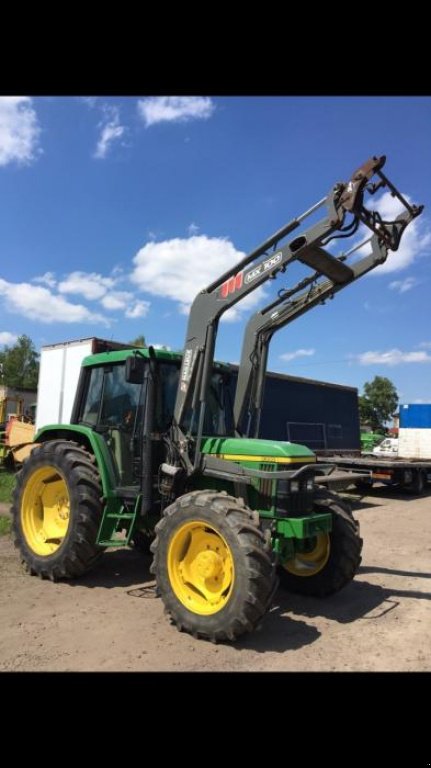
119, 568
394, 571
285, 626
359, 601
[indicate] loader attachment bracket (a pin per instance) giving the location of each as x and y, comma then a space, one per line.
352, 200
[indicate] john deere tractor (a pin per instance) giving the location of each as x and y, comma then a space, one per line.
157, 454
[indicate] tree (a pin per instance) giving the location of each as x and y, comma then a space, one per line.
138, 342
19, 364
378, 403
366, 411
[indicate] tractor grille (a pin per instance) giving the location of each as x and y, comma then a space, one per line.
265, 487
294, 497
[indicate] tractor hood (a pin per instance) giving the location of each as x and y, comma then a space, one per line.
254, 450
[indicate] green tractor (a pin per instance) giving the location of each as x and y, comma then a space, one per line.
162, 454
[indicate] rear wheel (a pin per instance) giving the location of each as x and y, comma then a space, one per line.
327, 561
213, 566
417, 485
57, 510
363, 485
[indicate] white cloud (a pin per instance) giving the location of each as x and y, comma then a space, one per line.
192, 229
95, 287
91, 285
402, 286
299, 353
39, 303
174, 109
162, 346
125, 300
48, 278
111, 130
8, 338
139, 309
19, 130
116, 299
415, 242
252, 301
178, 269
425, 345
392, 357
90, 101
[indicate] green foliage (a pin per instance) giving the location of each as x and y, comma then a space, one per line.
5, 525
378, 403
366, 412
139, 342
19, 364
7, 484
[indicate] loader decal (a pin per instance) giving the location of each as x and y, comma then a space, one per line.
263, 267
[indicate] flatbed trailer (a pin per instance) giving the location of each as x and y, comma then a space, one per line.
410, 475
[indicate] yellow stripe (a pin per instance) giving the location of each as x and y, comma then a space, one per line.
266, 459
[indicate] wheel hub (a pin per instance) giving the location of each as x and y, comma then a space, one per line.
313, 557
201, 567
208, 565
63, 508
45, 510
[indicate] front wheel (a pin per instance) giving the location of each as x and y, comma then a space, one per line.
328, 561
57, 510
213, 566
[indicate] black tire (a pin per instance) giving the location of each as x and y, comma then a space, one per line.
78, 551
251, 590
363, 486
417, 485
345, 546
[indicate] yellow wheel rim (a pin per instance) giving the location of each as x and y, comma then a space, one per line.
310, 563
45, 510
200, 567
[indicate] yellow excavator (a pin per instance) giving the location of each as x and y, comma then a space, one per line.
16, 432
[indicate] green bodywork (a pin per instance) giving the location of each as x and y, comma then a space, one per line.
122, 510
260, 450
119, 355
287, 532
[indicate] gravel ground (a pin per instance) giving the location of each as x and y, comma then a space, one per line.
112, 620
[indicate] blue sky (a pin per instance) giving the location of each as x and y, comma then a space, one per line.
116, 211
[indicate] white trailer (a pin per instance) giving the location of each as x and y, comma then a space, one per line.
60, 365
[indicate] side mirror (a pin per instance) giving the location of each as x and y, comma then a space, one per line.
135, 369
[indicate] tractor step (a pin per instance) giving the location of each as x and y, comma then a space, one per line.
121, 516
113, 522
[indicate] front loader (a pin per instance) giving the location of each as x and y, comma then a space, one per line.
155, 456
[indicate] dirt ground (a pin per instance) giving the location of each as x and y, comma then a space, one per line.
112, 620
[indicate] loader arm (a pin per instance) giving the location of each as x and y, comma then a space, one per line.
291, 304
264, 263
